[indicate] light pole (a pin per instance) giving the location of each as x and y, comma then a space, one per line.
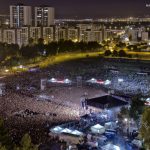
126, 122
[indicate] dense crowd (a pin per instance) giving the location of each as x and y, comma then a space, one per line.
23, 89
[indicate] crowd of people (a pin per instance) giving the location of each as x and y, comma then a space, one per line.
22, 90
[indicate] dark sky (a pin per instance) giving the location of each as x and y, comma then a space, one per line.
87, 8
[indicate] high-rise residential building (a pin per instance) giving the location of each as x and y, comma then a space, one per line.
44, 16
107, 34
144, 36
35, 33
48, 34
4, 20
9, 36
73, 34
61, 33
81, 34
23, 36
134, 35
88, 36
98, 36
20, 16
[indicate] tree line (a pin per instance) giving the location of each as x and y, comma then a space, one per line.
40, 49
115, 53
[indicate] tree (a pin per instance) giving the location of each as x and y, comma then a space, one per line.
82, 46
145, 128
26, 144
122, 53
124, 113
115, 53
107, 53
2, 147
5, 140
52, 48
2, 51
29, 51
40, 41
13, 49
93, 46
31, 41
121, 45
137, 107
40, 47
6, 143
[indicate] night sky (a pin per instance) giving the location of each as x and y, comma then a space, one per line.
87, 8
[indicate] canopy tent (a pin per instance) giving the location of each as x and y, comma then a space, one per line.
67, 81
93, 80
63, 81
110, 125
107, 82
53, 80
66, 130
72, 132
76, 132
110, 147
60, 130
98, 129
57, 129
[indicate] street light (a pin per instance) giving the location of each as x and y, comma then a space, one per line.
125, 119
6, 70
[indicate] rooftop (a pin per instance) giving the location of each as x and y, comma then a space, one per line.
106, 101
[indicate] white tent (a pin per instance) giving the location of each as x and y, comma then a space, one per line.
67, 81
110, 147
107, 82
98, 129
93, 80
110, 125
76, 132
57, 129
66, 130
53, 80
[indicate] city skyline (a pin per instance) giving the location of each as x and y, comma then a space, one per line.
87, 9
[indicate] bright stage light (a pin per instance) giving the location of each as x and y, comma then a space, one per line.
93, 80
20, 66
67, 81
120, 80
125, 119
53, 80
107, 82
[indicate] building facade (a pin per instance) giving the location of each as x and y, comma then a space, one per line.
9, 36
48, 34
44, 16
145, 36
73, 34
35, 34
22, 36
4, 21
20, 16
